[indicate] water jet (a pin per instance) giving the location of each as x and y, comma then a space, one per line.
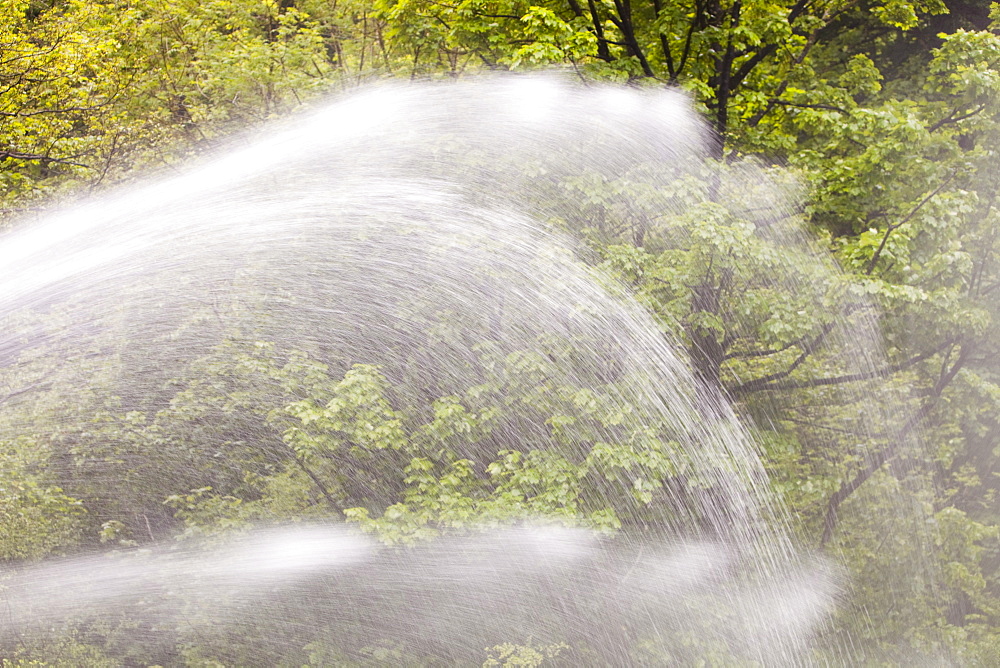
390, 312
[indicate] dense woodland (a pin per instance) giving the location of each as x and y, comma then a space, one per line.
885, 113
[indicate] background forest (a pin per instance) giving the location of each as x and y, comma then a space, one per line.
881, 119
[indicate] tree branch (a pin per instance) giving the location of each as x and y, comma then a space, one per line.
793, 14
60, 110
951, 118
24, 390
848, 487
766, 385
17, 155
668, 56
602, 43
804, 105
624, 23
895, 226
316, 480
760, 353
762, 383
698, 20
749, 64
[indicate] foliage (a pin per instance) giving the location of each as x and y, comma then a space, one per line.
884, 113
509, 655
36, 517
